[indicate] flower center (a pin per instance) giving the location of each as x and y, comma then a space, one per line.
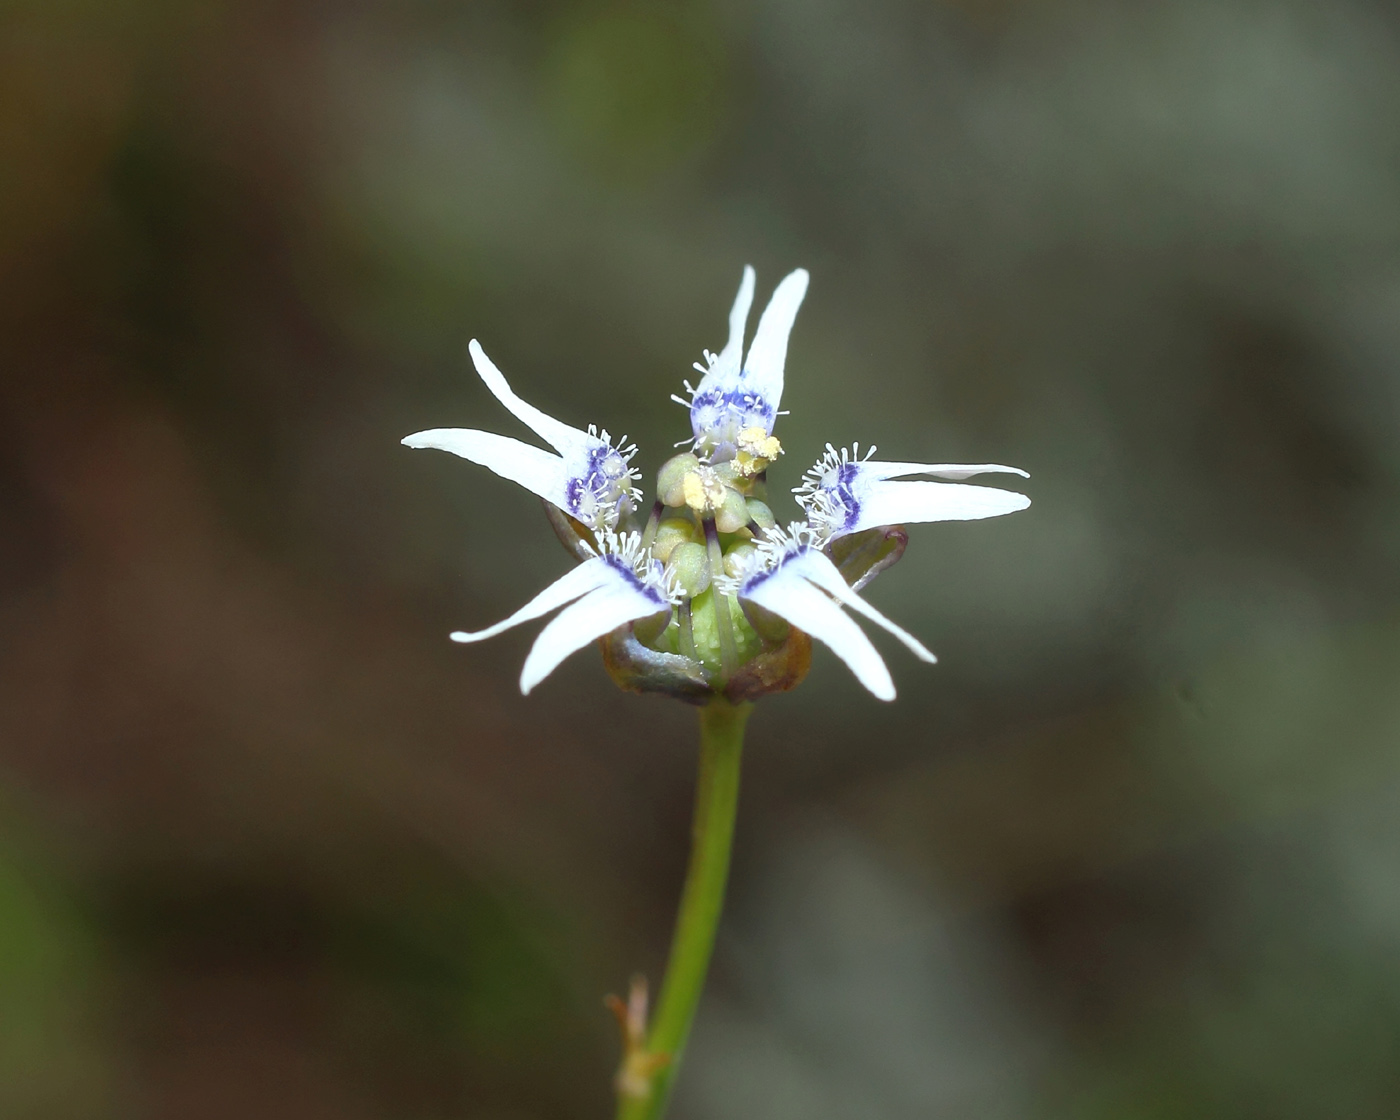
719, 416
600, 487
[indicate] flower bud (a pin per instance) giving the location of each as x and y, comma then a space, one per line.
733, 514
727, 473
671, 532
691, 565
760, 513
736, 560
670, 480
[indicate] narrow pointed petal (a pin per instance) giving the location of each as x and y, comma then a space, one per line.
903, 503
537, 470
817, 568
556, 433
763, 368
603, 610
937, 470
726, 368
721, 405
791, 597
588, 576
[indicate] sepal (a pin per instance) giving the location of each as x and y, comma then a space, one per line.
636, 667
862, 556
577, 538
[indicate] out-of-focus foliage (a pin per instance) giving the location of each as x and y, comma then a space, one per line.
50, 990
274, 847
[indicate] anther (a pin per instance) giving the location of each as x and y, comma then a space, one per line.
670, 480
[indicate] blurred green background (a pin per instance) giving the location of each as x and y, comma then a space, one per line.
271, 846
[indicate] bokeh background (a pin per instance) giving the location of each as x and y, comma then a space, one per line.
271, 846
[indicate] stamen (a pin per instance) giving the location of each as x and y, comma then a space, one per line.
724, 626
687, 628
649, 535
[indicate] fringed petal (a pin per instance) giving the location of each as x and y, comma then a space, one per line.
587, 577
537, 470
763, 368
556, 433
815, 567
603, 610
904, 503
789, 595
955, 471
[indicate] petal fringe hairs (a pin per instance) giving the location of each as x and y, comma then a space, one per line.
708, 596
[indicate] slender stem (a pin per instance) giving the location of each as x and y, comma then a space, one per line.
712, 834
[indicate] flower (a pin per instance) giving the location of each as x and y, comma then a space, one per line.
620, 584
790, 576
735, 397
589, 478
711, 598
845, 493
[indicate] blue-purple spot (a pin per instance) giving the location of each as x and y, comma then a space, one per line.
598, 485
624, 569
714, 410
845, 492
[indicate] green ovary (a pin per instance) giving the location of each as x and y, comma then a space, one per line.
702, 618
703, 622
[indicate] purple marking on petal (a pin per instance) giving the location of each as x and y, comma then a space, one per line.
765, 574
619, 565
844, 492
605, 480
724, 413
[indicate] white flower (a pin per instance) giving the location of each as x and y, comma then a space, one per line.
790, 576
845, 493
589, 478
621, 584
734, 396
701, 531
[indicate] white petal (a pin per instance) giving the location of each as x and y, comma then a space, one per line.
902, 503
605, 609
763, 368
937, 470
790, 596
533, 468
554, 432
818, 568
726, 368
588, 576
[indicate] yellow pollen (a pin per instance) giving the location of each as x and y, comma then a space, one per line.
703, 490
760, 444
757, 449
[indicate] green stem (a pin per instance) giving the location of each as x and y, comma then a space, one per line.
712, 834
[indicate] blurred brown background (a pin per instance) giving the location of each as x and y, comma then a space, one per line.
271, 846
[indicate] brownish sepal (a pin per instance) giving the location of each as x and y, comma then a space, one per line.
863, 556
776, 669
639, 668
573, 534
